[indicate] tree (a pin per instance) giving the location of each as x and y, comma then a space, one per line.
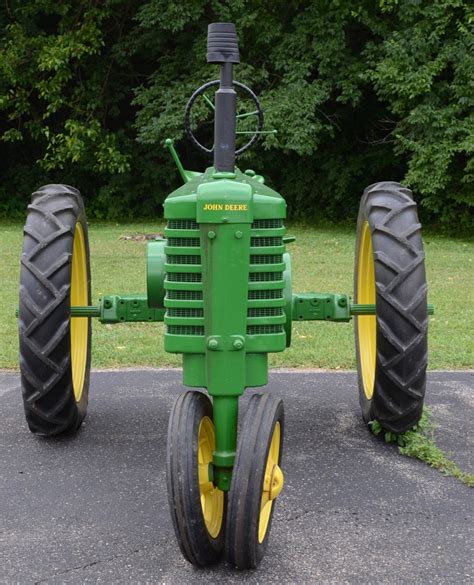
358, 93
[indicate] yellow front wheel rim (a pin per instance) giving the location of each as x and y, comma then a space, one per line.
367, 329
212, 499
79, 325
272, 483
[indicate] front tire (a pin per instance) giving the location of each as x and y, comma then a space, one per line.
391, 346
197, 506
55, 349
257, 480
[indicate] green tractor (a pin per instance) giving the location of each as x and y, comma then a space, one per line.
220, 280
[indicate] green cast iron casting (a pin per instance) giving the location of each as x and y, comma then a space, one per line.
121, 309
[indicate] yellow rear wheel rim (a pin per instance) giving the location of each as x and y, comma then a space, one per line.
367, 330
212, 499
79, 325
272, 483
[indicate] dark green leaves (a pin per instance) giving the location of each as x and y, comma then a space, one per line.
359, 92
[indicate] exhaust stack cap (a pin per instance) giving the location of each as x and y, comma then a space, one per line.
222, 43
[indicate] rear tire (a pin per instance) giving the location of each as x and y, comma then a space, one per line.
55, 350
391, 346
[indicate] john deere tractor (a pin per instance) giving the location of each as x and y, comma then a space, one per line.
220, 279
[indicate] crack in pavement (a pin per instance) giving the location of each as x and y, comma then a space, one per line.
97, 562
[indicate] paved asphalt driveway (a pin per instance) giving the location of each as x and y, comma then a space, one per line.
93, 509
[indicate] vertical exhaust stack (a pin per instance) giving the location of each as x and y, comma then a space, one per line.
223, 49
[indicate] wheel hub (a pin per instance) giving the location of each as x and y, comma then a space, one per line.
274, 482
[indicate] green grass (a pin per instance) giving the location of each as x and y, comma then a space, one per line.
420, 443
322, 261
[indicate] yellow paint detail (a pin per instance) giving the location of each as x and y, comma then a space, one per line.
272, 483
79, 325
235, 207
212, 499
366, 323
213, 207
225, 207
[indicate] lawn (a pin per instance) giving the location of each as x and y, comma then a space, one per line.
322, 261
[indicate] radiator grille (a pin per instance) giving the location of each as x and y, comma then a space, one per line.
185, 329
267, 224
265, 312
264, 320
184, 295
184, 259
261, 242
266, 258
182, 224
171, 312
184, 242
265, 276
183, 277
264, 329
184, 318
265, 294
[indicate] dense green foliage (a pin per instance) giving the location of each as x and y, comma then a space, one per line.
358, 92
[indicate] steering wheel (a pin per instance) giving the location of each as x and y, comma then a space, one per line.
200, 92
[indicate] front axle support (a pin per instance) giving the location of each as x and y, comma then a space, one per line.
306, 307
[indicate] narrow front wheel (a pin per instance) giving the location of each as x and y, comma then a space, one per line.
257, 480
197, 506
